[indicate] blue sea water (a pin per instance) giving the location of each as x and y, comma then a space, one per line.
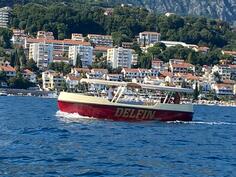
37, 140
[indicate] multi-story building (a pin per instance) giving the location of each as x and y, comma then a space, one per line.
96, 73
223, 70
119, 57
52, 80
147, 38
84, 52
158, 65
4, 16
97, 39
180, 66
18, 37
41, 53
59, 46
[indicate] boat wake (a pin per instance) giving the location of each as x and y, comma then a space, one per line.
204, 123
72, 117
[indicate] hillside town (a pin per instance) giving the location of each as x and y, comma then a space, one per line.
116, 63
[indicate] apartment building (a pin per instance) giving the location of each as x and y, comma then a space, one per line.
119, 57
180, 66
85, 53
59, 46
223, 70
52, 80
147, 38
102, 40
4, 16
18, 37
41, 53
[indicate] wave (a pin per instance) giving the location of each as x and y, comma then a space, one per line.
72, 117
205, 123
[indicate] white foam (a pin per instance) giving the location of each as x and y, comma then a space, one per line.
201, 122
72, 117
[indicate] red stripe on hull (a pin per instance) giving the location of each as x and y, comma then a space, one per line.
123, 113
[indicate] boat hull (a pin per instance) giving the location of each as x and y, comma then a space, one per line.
123, 113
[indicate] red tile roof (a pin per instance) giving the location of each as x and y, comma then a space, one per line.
7, 69
53, 41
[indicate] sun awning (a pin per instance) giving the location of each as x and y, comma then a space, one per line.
136, 85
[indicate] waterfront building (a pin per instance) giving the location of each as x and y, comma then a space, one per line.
41, 53
147, 38
98, 39
119, 57
85, 54
52, 80
72, 82
4, 16
224, 89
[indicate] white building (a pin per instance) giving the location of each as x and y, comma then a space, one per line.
103, 40
85, 53
119, 57
18, 37
223, 70
52, 80
41, 53
4, 16
147, 38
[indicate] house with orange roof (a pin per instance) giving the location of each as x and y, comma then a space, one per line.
10, 71
180, 66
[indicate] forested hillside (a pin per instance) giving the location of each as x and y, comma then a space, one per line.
224, 9
125, 22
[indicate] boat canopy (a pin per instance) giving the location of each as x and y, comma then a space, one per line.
136, 85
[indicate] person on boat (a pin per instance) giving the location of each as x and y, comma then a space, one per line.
177, 98
110, 93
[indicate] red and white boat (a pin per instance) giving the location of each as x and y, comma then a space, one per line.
102, 108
